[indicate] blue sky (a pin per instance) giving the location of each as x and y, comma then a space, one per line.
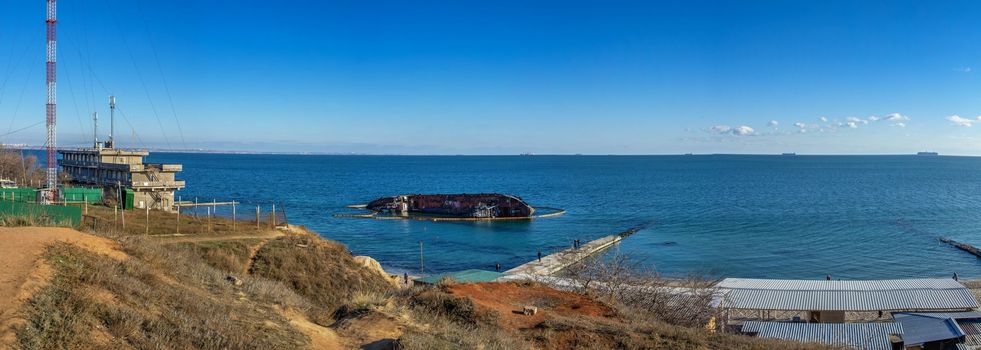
504, 77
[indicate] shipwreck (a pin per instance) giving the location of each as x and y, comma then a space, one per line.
480, 206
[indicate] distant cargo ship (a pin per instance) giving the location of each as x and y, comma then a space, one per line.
788, 154
484, 205
927, 154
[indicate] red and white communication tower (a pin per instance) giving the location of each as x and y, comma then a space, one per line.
51, 107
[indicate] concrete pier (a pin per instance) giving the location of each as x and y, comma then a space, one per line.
556, 262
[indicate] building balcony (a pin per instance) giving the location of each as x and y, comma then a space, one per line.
157, 185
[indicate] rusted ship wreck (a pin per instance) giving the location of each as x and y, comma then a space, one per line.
480, 206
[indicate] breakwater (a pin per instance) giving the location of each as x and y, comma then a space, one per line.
962, 246
553, 263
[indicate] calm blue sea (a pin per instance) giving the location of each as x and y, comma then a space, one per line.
744, 216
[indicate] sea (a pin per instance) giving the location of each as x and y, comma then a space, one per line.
759, 216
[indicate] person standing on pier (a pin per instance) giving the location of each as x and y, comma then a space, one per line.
497, 267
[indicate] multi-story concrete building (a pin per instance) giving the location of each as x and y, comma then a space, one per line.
114, 170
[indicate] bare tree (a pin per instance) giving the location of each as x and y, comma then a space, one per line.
19, 168
691, 301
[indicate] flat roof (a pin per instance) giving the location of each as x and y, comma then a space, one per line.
921, 329
869, 336
835, 295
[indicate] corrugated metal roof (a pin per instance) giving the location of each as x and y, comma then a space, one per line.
866, 336
822, 295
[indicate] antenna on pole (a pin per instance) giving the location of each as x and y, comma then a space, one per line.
112, 121
51, 106
95, 129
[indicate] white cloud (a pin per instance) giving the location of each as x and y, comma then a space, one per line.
801, 127
773, 123
874, 119
720, 129
855, 121
964, 69
896, 117
741, 130
824, 119
957, 120
852, 125
901, 125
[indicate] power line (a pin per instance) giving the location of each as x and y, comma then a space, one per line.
22, 129
139, 75
163, 77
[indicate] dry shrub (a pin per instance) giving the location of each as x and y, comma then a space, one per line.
140, 304
230, 256
643, 294
440, 333
322, 271
362, 303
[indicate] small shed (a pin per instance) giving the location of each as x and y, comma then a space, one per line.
940, 330
465, 276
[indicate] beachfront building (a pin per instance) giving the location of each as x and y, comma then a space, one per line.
824, 304
115, 170
827, 301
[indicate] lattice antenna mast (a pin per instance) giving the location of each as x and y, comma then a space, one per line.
51, 108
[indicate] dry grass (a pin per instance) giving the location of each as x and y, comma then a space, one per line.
447, 321
322, 271
107, 220
230, 256
160, 299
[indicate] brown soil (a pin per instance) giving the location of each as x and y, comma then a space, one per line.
22, 271
509, 299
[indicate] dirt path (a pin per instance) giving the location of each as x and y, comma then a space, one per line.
22, 271
320, 337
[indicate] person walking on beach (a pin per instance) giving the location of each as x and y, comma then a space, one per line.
539, 255
405, 276
498, 267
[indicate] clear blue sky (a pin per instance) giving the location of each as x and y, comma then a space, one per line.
504, 77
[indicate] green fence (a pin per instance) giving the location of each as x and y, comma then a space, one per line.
79, 195
18, 195
38, 214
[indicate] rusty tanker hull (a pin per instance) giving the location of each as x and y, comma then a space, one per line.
484, 205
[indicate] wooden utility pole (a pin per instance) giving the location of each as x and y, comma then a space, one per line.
210, 229
274, 216
422, 265
115, 217
233, 215
257, 217
178, 219
147, 220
